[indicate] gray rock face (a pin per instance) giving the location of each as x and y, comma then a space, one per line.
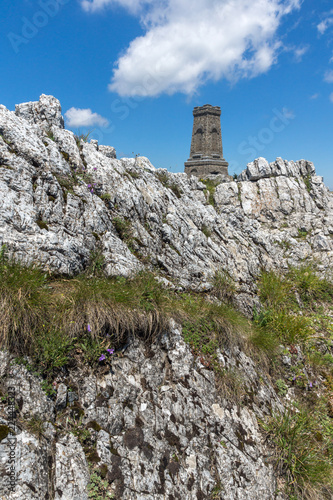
45, 113
162, 429
157, 421
59, 202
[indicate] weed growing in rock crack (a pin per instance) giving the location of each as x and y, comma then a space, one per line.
98, 487
123, 228
164, 179
308, 182
42, 224
282, 387
302, 233
35, 426
50, 135
210, 190
206, 231
105, 197
82, 137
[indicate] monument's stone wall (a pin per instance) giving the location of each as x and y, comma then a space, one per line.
206, 156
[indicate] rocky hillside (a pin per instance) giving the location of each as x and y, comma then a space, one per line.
62, 199
153, 424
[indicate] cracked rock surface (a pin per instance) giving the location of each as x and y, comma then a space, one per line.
158, 425
60, 200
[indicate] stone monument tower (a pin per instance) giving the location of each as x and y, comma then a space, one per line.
206, 156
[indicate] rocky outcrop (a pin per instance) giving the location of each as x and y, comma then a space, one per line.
157, 425
61, 200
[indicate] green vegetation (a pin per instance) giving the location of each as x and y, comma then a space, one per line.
51, 323
304, 451
164, 179
206, 231
42, 224
98, 488
4, 431
82, 137
105, 197
57, 322
308, 182
296, 311
50, 135
210, 190
35, 426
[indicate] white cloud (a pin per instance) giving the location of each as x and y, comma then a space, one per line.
314, 96
133, 6
300, 52
325, 24
329, 76
331, 97
189, 42
76, 117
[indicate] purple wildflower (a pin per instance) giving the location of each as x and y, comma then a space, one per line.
110, 351
91, 190
101, 358
310, 385
89, 185
89, 328
95, 168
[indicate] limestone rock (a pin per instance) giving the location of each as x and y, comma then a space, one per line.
164, 430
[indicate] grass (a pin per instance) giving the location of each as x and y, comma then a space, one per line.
82, 137
210, 190
164, 179
58, 322
51, 322
283, 299
304, 451
206, 230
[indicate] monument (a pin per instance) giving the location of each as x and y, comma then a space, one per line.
206, 156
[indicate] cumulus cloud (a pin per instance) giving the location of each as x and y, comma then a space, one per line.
77, 117
329, 76
187, 43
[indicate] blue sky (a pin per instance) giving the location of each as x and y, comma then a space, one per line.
132, 71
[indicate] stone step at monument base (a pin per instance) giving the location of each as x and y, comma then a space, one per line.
208, 168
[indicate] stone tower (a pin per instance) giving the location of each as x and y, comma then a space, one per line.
206, 156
